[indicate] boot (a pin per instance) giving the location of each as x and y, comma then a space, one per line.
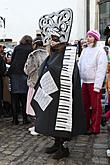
54, 147
61, 153
7, 109
25, 118
15, 109
23, 99
26, 121
15, 117
103, 121
15, 122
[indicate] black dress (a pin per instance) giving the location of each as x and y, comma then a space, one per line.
57, 100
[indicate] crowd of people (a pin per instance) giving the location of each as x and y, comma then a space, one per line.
62, 94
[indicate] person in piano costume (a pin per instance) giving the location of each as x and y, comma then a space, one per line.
92, 67
57, 99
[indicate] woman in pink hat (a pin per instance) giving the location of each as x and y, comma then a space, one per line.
92, 67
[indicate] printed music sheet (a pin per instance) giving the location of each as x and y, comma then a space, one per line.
48, 84
42, 98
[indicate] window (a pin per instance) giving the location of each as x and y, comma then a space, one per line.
104, 16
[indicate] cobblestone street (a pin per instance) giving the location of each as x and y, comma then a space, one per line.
19, 147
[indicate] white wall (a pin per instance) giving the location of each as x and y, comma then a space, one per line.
79, 19
94, 15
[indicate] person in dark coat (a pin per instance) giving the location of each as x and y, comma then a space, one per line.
57, 99
107, 34
18, 78
2, 72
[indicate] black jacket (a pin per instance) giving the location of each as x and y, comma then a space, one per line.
2, 72
19, 57
2, 67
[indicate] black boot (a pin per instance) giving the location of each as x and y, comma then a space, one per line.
15, 117
61, 153
26, 121
23, 99
54, 147
103, 121
15, 122
25, 118
15, 108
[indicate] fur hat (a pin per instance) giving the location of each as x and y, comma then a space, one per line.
37, 39
94, 34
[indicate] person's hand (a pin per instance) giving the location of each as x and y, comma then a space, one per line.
96, 90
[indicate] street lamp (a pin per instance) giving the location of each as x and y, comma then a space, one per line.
3, 19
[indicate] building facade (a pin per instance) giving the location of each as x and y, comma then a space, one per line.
90, 14
79, 19
104, 15
99, 15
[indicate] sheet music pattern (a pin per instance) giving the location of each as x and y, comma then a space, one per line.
64, 115
48, 86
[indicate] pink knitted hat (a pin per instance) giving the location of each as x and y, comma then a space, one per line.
94, 34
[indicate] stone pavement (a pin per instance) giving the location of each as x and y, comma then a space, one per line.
18, 147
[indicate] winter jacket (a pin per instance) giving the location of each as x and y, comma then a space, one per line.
19, 58
93, 66
2, 71
2, 67
32, 65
